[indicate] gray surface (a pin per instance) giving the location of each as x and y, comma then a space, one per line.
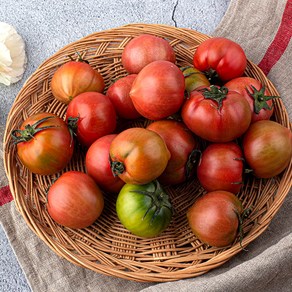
47, 26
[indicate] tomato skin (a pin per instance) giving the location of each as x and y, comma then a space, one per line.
267, 148
214, 219
119, 94
145, 214
158, 90
98, 165
50, 150
221, 167
224, 56
144, 49
142, 154
181, 143
73, 78
203, 117
74, 200
96, 116
243, 85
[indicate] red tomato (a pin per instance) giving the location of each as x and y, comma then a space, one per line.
98, 165
144, 49
258, 97
221, 55
74, 200
44, 143
74, 78
158, 90
267, 148
181, 145
119, 94
217, 115
138, 155
221, 167
214, 218
95, 116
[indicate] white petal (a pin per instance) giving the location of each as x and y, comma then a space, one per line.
12, 55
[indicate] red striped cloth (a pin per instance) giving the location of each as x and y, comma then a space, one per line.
5, 195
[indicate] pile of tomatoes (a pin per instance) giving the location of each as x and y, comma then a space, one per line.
207, 121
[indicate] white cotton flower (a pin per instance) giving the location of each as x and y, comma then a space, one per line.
12, 55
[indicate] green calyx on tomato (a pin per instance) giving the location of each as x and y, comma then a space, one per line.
158, 198
215, 93
117, 167
260, 99
79, 58
193, 158
29, 131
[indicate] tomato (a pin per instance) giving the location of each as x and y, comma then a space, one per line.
182, 146
94, 114
44, 143
194, 79
220, 56
98, 165
119, 94
74, 200
144, 49
214, 218
144, 210
158, 90
138, 155
217, 115
73, 78
221, 167
258, 97
267, 148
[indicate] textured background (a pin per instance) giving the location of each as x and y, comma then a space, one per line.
47, 26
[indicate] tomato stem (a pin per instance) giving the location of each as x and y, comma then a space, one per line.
216, 94
30, 131
194, 156
117, 167
241, 217
260, 99
159, 199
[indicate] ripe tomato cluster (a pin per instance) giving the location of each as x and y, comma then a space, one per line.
159, 125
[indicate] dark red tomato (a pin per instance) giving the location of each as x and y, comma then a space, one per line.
98, 165
138, 155
73, 78
74, 200
182, 145
144, 49
194, 79
95, 116
258, 97
221, 55
267, 148
158, 90
119, 94
44, 143
221, 167
214, 218
217, 115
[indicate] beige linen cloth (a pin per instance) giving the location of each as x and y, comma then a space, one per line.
263, 28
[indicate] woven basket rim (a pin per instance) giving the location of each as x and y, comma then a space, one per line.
113, 268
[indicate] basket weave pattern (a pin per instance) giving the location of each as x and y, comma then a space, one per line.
106, 247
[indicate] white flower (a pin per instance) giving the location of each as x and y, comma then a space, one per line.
12, 55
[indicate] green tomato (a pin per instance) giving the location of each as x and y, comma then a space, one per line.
144, 210
194, 79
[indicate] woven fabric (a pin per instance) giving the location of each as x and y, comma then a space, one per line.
263, 28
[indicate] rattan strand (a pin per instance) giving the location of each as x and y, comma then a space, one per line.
106, 247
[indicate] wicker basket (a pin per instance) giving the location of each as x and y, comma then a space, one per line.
106, 247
